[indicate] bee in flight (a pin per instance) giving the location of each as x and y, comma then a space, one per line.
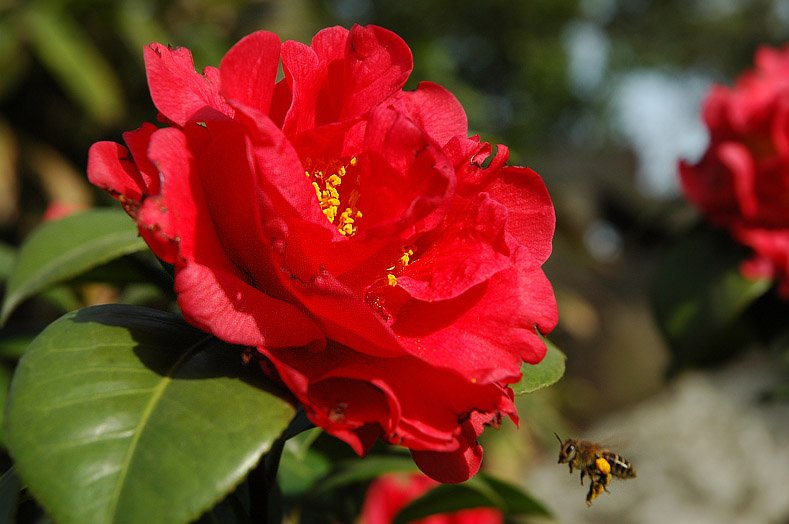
597, 462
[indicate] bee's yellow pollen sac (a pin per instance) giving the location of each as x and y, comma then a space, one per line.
603, 465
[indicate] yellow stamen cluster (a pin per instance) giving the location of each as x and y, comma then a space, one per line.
403, 261
399, 266
376, 294
330, 200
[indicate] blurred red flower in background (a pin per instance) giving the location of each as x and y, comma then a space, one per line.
348, 230
390, 493
742, 181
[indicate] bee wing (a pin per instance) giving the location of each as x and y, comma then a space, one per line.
616, 443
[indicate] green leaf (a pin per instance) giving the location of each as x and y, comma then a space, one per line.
14, 61
12, 345
62, 297
63, 249
699, 298
7, 254
125, 414
9, 493
480, 491
76, 63
138, 28
365, 469
301, 467
5, 381
548, 371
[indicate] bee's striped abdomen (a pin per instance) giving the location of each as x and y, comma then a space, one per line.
620, 467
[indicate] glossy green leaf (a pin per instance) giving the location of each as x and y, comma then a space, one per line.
699, 298
74, 61
125, 414
63, 249
480, 491
548, 371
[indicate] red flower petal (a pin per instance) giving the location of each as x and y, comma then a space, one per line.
485, 333
482, 334
531, 219
405, 176
389, 494
279, 168
343, 75
437, 111
423, 417
771, 255
177, 90
248, 71
455, 466
111, 167
212, 292
330, 46
741, 182
377, 65
709, 185
303, 77
223, 171
737, 159
214, 297
137, 141
468, 155
344, 317
468, 252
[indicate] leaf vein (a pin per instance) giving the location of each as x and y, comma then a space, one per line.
138, 430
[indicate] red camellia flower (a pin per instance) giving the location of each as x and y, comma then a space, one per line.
742, 181
386, 266
390, 493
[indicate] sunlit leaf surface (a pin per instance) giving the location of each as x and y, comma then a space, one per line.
126, 414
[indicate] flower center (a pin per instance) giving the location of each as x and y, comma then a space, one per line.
337, 203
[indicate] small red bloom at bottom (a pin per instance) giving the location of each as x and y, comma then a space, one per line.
391, 493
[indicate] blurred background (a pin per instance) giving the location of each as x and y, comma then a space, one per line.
601, 97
